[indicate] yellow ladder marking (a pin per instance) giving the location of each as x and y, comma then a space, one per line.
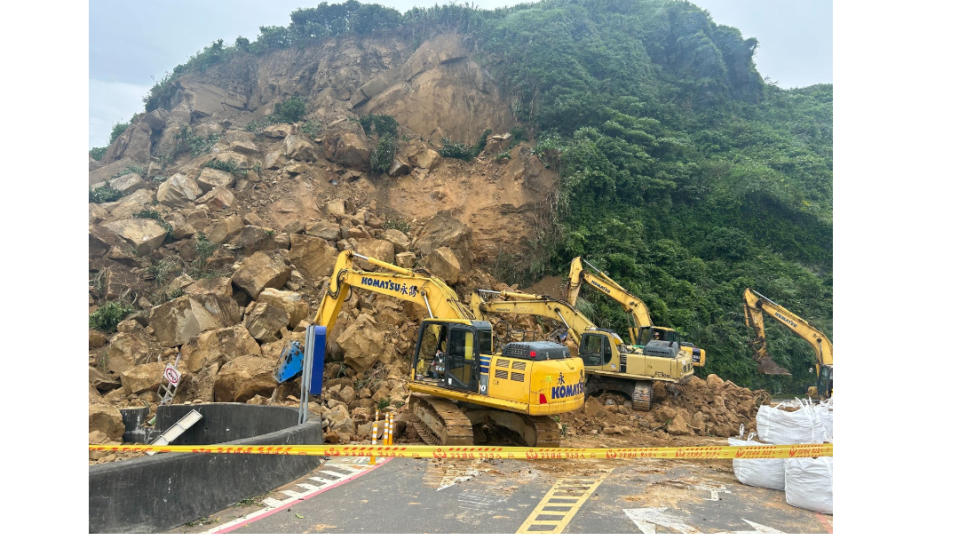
570, 493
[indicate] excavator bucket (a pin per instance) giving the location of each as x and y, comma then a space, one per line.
769, 367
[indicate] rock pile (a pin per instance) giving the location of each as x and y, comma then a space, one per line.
712, 408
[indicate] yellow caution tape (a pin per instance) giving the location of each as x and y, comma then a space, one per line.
505, 452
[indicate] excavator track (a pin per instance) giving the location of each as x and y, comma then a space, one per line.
547, 430
642, 395
440, 422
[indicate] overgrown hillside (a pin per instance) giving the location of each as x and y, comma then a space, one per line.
681, 173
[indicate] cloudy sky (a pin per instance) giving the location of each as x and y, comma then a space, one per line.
133, 44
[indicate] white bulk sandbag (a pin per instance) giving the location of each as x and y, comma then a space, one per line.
766, 473
824, 410
809, 483
802, 426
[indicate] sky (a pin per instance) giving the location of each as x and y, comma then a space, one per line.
133, 44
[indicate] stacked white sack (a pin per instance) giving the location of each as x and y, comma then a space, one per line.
766, 473
808, 481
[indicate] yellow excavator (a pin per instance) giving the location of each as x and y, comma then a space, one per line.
610, 364
456, 379
754, 305
642, 329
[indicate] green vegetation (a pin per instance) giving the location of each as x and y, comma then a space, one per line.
118, 130
97, 152
290, 110
229, 166
384, 127
104, 193
204, 249
311, 128
380, 124
682, 174
107, 316
452, 149
187, 140
381, 158
398, 223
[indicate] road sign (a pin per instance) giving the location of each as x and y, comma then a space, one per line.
171, 374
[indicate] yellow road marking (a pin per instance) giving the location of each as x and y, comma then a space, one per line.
566, 492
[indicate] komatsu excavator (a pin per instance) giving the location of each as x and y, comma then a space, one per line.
754, 305
609, 363
642, 330
456, 379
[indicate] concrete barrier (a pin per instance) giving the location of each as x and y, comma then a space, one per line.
156, 493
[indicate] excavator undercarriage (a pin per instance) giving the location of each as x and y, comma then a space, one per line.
441, 422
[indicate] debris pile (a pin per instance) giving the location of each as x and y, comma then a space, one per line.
695, 407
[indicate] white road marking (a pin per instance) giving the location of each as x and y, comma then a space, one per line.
646, 519
759, 529
331, 468
713, 490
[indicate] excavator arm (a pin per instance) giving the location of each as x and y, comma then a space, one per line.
531, 304
642, 329
754, 306
427, 291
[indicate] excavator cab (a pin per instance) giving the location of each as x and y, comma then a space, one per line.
657, 333
449, 353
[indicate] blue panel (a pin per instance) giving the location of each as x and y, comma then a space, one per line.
319, 357
291, 363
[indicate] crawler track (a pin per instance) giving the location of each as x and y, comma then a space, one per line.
439, 421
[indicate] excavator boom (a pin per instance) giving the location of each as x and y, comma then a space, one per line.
642, 329
755, 305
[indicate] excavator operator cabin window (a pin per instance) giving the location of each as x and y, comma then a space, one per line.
485, 342
432, 339
591, 349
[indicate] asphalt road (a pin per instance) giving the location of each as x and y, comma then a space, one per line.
503, 496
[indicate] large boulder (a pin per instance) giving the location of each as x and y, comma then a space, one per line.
198, 385
144, 235
218, 198
130, 205
299, 148
178, 190
125, 351
265, 320
182, 319
444, 264
252, 238
427, 158
106, 419
217, 347
292, 303
277, 131
221, 229
362, 343
312, 256
126, 184
378, 249
244, 377
400, 241
325, 229
260, 271
445, 230
147, 376
351, 150
244, 147
213, 178
217, 286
